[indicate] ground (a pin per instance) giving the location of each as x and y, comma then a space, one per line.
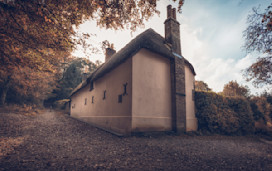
55, 141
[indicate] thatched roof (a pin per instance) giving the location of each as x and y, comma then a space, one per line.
85, 82
149, 40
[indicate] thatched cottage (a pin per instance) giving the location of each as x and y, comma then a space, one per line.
146, 86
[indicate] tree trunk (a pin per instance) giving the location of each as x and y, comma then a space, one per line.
4, 92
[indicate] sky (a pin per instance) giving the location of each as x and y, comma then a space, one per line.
211, 38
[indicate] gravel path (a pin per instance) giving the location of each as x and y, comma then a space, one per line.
53, 141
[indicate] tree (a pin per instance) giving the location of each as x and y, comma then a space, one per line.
37, 35
202, 86
268, 96
258, 38
26, 84
72, 76
261, 108
233, 89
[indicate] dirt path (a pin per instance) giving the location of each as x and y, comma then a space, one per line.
52, 141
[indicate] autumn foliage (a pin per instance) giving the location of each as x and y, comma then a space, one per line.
233, 89
202, 86
37, 35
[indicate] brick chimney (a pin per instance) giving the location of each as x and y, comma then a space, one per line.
177, 66
109, 53
172, 34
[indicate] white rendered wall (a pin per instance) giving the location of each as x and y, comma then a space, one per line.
191, 121
106, 113
151, 92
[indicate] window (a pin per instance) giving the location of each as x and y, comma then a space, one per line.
92, 99
193, 95
85, 101
104, 97
91, 86
125, 89
120, 98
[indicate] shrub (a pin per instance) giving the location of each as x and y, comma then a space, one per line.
261, 108
243, 112
223, 115
269, 100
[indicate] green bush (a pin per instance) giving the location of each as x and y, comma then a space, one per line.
223, 115
243, 112
261, 108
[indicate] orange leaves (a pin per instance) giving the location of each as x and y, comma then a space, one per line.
202, 86
180, 4
55, 35
32, 84
36, 37
233, 89
267, 20
47, 19
16, 49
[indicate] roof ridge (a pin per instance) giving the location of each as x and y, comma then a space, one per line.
148, 39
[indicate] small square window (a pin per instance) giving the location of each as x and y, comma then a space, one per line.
92, 99
85, 101
104, 97
120, 98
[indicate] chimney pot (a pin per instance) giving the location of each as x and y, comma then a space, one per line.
169, 11
109, 53
172, 34
174, 13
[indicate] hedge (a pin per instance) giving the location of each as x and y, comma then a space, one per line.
261, 108
223, 115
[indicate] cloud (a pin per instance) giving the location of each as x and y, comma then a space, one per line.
213, 70
211, 38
